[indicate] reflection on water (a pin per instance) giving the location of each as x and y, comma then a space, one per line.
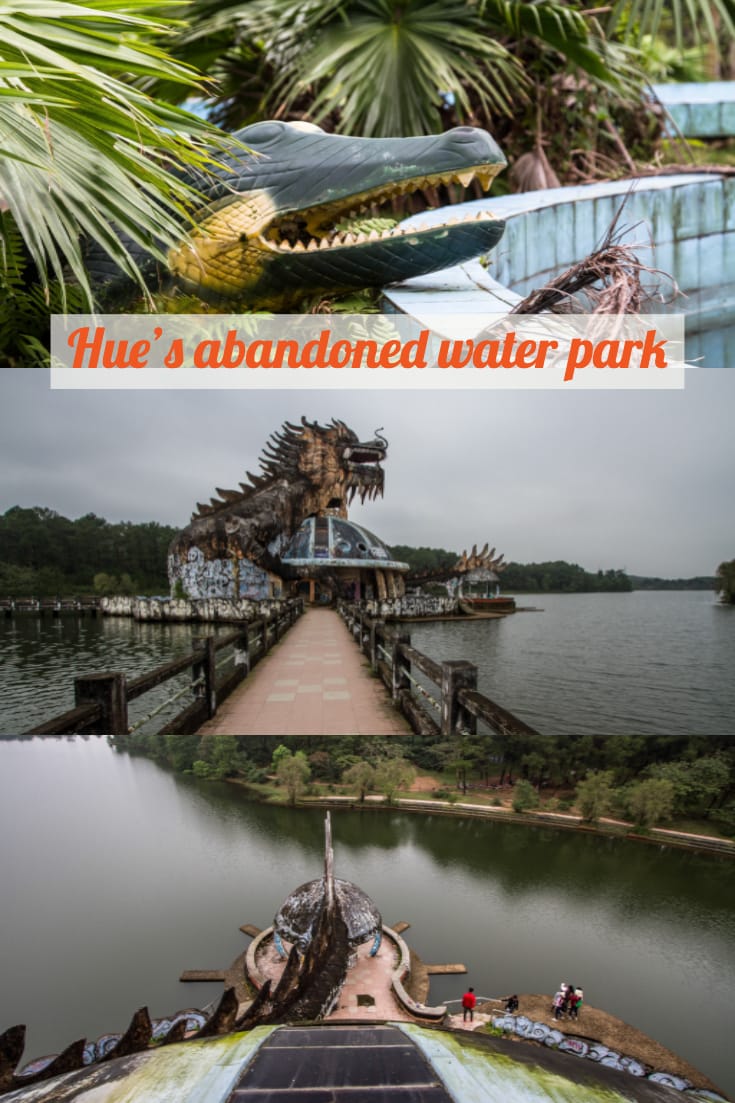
121, 875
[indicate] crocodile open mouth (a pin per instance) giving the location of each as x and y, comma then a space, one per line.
323, 226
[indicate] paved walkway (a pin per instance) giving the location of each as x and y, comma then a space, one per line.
314, 682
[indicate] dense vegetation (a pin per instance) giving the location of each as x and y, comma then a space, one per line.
43, 554
698, 582
549, 577
565, 578
648, 779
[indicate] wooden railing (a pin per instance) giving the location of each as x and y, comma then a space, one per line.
457, 705
101, 700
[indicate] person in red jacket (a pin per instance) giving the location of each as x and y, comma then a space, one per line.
468, 1005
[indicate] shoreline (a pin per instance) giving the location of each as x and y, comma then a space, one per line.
596, 1025
605, 828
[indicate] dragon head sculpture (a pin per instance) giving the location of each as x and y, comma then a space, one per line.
306, 470
271, 225
326, 465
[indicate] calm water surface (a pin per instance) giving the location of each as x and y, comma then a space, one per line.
117, 875
40, 656
646, 662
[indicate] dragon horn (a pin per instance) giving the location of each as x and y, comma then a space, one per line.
228, 495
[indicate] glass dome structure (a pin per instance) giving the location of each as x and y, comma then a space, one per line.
336, 542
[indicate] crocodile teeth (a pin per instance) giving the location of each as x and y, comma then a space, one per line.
374, 235
362, 237
312, 246
485, 176
465, 178
285, 246
299, 247
324, 243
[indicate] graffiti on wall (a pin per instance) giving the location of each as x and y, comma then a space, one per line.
202, 577
254, 582
218, 578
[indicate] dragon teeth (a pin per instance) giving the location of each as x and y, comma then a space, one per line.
465, 178
485, 177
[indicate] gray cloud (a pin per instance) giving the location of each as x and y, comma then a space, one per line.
641, 480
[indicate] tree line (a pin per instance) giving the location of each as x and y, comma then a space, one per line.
43, 553
556, 576
648, 779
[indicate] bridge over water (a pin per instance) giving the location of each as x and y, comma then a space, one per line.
293, 672
314, 682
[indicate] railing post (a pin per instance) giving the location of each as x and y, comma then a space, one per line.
205, 668
455, 675
377, 627
110, 692
400, 665
242, 650
210, 675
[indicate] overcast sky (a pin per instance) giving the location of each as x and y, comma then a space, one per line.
638, 480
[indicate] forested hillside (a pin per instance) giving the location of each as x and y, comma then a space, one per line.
43, 553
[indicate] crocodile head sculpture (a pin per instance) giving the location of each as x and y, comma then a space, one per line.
267, 232
307, 469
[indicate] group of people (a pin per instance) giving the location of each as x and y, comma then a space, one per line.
567, 1001
469, 1002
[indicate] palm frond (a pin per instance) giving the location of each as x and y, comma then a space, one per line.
694, 19
81, 149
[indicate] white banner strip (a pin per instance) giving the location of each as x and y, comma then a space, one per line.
361, 351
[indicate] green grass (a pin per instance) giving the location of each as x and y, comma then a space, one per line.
700, 153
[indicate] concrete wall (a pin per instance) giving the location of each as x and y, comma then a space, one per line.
412, 606
689, 219
704, 110
210, 610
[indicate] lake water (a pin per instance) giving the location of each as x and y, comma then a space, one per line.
641, 663
645, 663
117, 875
